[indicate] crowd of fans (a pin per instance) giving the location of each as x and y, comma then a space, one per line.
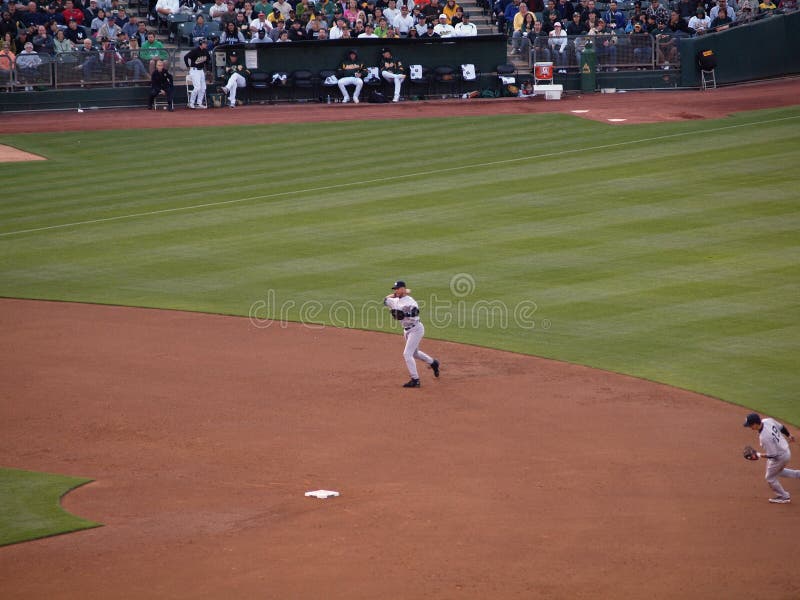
31, 33
559, 30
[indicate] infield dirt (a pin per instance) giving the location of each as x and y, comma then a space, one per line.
509, 477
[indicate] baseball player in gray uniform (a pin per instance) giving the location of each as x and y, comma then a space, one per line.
405, 309
774, 439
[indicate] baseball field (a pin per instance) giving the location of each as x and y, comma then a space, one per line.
662, 256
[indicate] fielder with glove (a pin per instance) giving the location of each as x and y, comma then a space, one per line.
405, 309
774, 439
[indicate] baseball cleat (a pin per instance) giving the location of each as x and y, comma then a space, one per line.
435, 367
412, 383
780, 500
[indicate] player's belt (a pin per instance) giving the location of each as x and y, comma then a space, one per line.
195, 69
410, 326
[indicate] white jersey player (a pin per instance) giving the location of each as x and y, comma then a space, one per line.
774, 439
405, 309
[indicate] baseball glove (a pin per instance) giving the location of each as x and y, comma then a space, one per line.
750, 453
398, 314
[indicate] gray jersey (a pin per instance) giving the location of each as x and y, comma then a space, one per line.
772, 440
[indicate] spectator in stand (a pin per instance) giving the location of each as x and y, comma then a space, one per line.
383, 25
132, 26
351, 72
261, 37
539, 41
768, 6
420, 22
152, 51
62, 45
591, 22
102, 62
657, 11
576, 26
8, 61
297, 32
90, 11
33, 16
551, 7
243, 25
110, 30
9, 42
303, 8
458, 17
28, 66
403, 22
466, 28
712, 14
337, 29
788, 5
52, 16
277, 30
614, 18
443, 29
122, 18
42, 43
518, 25
259, 23
7, 24
358, 29
141, 34
565, 10
412, 33
128, 50
369, 32
231, 35
449, 10
591, 9
745, 13
218, 9
700, 23
391, 11
722, 20
327, 8
200, 31
432, 10
161, 84
552, 19
605, 46
429, 32
228, 16
98, 22
642, 44
678, 27
70, 12
686, 9
505, 21
558, 46
351, 13
666, 46
22, 39
526, 28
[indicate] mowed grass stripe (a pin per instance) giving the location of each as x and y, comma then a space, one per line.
640, 256
118, 162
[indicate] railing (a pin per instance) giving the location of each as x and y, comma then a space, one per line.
93, 68
613, 51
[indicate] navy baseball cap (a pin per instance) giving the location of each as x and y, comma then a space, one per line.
398, 284
752, 419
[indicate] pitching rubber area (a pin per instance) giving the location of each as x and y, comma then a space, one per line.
508, 477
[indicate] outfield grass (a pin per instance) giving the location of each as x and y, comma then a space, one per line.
668, 251
30, 506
